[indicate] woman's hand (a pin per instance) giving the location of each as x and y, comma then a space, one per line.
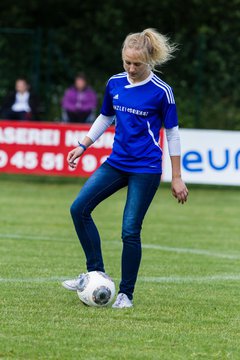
73, 155
179, 190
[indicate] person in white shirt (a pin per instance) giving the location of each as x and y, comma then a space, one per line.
20, 104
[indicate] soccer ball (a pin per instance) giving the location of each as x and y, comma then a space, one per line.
96, 289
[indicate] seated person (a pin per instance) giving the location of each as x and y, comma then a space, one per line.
79, 102
20, 104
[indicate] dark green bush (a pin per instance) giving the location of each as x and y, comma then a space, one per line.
63, 38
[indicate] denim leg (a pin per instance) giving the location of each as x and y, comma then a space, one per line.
141, 190
104, 182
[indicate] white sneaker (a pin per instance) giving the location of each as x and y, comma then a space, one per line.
74, 284
122, 301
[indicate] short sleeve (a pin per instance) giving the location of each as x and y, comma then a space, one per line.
169, 111
107, 106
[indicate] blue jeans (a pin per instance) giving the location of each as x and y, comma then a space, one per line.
104, 182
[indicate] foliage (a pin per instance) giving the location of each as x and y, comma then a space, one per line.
88, 35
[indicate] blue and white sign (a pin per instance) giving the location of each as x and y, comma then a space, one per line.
208, 157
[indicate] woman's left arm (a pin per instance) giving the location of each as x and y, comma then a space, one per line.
179, 189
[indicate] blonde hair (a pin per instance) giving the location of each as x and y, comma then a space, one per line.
154, 47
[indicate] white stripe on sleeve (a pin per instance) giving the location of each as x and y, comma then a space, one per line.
99, 126
173, 139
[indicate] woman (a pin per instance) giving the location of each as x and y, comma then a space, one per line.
79, 101
141, 103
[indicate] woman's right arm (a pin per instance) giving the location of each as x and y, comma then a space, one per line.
97, 129
77, 152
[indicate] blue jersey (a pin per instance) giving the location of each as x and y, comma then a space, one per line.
141, 110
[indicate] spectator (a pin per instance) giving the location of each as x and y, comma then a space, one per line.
79, 102
20, 104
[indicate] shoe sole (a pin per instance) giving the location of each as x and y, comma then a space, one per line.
68, 287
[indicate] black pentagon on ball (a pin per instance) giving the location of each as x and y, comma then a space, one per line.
101, 295
106, 276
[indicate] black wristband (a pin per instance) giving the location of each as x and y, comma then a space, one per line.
83, 146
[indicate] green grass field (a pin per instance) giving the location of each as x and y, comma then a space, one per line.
187, 299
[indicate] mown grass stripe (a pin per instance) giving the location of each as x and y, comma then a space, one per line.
151, 279
202, 252
191, 251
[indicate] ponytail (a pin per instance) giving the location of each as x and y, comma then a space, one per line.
154, 47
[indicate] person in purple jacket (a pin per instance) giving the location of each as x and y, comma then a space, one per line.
79, 101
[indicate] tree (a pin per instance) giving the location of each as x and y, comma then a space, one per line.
88, 35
